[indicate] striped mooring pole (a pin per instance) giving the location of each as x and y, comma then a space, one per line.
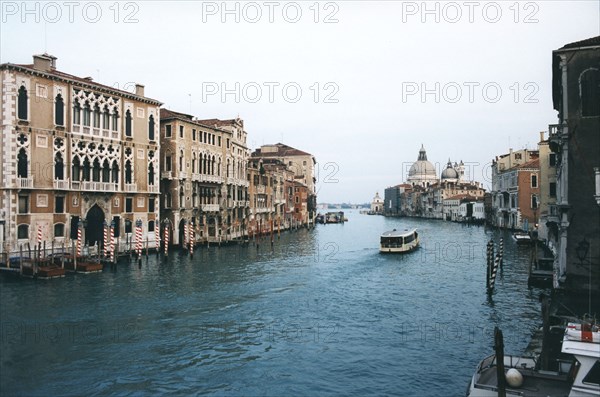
138, 240
157, 237
166, 242
106, 245
112, 242
192, 237
79, 248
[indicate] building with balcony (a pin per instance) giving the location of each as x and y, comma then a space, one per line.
301, 163
548, 222
75, 150
575, 141
514, 206
203, 177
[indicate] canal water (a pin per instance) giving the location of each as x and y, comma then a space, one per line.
320, 313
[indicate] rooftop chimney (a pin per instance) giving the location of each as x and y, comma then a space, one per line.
139, 90
542, 136
44, 62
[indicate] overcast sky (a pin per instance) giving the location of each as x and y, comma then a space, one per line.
361, 85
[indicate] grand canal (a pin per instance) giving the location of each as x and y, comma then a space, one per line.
320, 313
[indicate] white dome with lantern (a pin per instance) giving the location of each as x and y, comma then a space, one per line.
422, 172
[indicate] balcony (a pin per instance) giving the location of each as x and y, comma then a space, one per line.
211, 207
94, 186
153, 189
553, 213
230, 180
25, 183
62, 185
131, 187
260, 189
196, 177
166, 175
182, 175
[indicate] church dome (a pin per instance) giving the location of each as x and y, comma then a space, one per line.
422, 169
449, 172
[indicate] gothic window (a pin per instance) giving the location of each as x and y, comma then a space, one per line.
193, 162
76, 169
86, 114
212, 166
150, 174
115, 121
151, 128
59, 167
128, 172
168, 165
150, 225
96, 171
22, 164
22, 103
181, 161
59, 110
86, 169
76, 113
96, 117
127, 123
168, 200
106, 118
590, 93
115, 172
105, 171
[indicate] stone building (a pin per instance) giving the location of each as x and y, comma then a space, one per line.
575, 140
376, 204
203, 178
507, 202
547, 230
75, 150
301, 163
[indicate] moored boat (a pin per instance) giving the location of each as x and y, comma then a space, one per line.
396, 241
522, 238
579, 375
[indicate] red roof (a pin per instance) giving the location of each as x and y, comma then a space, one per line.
531, 164
461, 197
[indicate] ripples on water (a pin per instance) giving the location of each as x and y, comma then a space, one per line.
322, 313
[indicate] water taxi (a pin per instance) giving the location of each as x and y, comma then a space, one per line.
397, 241
576, 373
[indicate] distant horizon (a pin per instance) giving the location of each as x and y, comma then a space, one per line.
359, 85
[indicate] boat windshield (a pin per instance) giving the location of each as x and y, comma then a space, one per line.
391, 242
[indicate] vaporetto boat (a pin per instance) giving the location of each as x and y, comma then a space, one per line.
396, 241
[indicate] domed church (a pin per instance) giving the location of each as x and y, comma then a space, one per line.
422, 172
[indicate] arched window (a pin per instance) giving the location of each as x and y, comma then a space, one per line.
59, 230
128, 172
115, 121
150, 226
181, 161
105, 171
86, 114
96, 117
181, 198
590, 93
59, 110
106, 118
212, 166
168, 200
150, 174
151, 128
127, 123
86, 169
23, 232
76, 169
22, 103
115, 172
22, 164
193, 162
59, 167
76, 113
96, 171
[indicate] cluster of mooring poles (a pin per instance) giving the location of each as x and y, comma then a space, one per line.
494, 262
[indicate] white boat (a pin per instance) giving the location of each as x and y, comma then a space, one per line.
577, 376
522, 238
397, 241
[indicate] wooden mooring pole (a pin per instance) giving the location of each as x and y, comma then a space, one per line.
499, 347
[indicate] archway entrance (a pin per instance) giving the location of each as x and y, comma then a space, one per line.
181, 232
94, 228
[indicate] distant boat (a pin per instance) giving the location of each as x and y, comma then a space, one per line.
395, 241
522, 238
576, 372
